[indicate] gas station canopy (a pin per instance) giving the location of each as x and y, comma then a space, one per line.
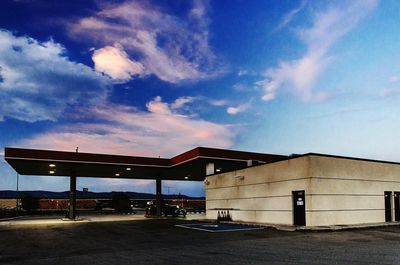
190, 165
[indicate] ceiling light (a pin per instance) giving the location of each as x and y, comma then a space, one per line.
51, 171
117, 174
52, 165
186, 177
128, 168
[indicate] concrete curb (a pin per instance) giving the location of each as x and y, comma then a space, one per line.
346, 227
10, 218
291, 228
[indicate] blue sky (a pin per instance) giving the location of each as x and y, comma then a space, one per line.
156, 78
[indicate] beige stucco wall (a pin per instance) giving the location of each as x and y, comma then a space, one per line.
346, 191
263, 195
338, 191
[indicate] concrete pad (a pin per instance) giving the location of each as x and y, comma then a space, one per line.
46, 220
35, 220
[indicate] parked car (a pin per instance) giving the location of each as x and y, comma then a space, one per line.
166, 210
173, 210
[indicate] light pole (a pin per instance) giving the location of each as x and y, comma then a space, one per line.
17, 194
169, 187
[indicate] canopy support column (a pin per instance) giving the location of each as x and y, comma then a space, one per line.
158, 196
72, 198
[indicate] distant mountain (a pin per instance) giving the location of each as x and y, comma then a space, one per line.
11, 194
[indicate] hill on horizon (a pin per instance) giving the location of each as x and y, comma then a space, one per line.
11, 194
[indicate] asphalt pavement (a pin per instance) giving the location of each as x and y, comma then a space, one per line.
159, 241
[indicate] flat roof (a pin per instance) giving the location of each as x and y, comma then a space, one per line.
190, 165
349, 158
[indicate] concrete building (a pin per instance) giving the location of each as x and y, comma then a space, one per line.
306, 190
311, 190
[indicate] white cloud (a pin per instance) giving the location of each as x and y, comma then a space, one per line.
268, 96
238, 109
301, 74
232, 110
160, 107
218, 102
124, 130
321, 96
198, 10
391, 88
171, 47
394, 79
242, 87
181, 102
184, 104
287, 18
114, 62
242, 72
38, 81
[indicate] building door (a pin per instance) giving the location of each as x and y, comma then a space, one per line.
397, 206
388, 206
299, 207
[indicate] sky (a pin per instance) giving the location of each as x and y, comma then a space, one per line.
157, 78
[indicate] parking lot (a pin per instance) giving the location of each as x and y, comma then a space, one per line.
159, 241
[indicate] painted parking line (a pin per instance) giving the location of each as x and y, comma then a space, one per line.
214, 227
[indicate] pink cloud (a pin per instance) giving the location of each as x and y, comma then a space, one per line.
124, 130
157, 106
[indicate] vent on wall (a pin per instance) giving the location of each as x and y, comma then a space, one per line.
210, 169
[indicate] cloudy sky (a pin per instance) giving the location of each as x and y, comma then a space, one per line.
156, 78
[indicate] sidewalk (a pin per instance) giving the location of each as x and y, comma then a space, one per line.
58, 219
345, 227
292, 228
47, 220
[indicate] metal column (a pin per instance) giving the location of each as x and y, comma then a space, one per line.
72, 198
158, 196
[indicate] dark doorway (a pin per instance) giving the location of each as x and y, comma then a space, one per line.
397, 206
388, 206
299, 207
